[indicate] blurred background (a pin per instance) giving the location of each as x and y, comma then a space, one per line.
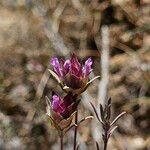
115, 33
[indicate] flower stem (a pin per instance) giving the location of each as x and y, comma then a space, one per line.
61, 140
105, 140
105, 145
75, 130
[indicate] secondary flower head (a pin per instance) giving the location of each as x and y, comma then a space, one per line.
71, 72
61, 110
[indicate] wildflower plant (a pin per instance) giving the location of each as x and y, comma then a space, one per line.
73, 78
104, 117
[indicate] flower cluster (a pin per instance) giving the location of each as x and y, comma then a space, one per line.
73, 77
61, 110
71, 72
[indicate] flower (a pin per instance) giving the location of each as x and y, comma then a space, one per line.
61, 110
71, 73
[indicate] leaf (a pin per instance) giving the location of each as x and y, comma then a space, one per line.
101, 112
108, 112
93, 80
87, 85
84, 119
117, 118
54, 75
112, 130
105, 109
109, 101
97, 146
48, 104
95, 112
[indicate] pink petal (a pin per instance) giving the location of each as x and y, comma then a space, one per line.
56, 66
56, 103
87, 67
67, 65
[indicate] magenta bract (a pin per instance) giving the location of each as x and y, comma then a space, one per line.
64, 106
61, 110
71, 72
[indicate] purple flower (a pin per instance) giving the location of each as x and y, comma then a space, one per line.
61, 110
71, 72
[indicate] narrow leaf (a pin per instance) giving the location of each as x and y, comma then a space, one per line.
87, 85
101, 112
109, 101
93, 79
47, 100
118, 117
84, 119
105, 109
112, 130
95, 112
48, 104
97, 146
108, 112
54, 75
